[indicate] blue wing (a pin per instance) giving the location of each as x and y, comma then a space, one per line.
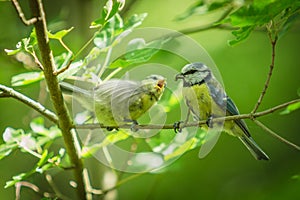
232, 110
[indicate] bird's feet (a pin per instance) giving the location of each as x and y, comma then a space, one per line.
177, 127
209, 121
133, 127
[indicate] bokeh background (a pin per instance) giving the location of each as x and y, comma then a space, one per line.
229, 171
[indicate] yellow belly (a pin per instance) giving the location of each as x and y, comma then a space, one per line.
200, 102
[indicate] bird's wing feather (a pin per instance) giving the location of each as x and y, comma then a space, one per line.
232, 109
117, 90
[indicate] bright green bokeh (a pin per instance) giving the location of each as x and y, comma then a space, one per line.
229, 171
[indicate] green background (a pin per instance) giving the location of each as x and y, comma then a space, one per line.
229, 171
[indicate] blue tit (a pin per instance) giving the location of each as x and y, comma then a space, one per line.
116, 102
206, 99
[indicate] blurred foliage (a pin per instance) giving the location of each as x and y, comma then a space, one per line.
242, 18
248, 15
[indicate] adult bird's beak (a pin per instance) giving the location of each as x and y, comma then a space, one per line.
179, 76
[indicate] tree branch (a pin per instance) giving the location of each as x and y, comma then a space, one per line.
264, 127
21, 14
273, 42
251, 116
9, 92
191, 124
64, 119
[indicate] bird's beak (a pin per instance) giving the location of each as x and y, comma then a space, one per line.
179, 76
160, 84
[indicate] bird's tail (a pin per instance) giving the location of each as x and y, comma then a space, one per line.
255, 150
83, 96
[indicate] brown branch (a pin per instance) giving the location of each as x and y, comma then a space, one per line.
64, 119
273, 42
9, 92
63, 69
21, 14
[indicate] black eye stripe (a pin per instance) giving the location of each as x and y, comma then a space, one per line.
194, 70
190, 72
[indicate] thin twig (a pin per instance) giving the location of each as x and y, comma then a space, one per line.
26, 184
251, 116
273, 42
272, 133
9, 92
54, 188
61, 70
210, 26
191, 124
125, 180
22, 16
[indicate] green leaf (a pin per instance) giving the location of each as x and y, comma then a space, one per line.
109, 11
119, 63
43, 159
204, 7
199, 8
111, 138
37, 125
288, 24
138, 52
290, 108
26, 78
115, 29
6, 149
134, 21
16, 179
60, 34
11, 52
241, 34
259, 12
174, 146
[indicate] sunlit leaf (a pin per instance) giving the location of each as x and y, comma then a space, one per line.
241, 34
204, 7
138, 51
290, 108
111, 138
288, 24
37, 125
6, 149
115, 28
60, 34
199, 8
43, 159
17, 179
26, 78
109, 11
73, 69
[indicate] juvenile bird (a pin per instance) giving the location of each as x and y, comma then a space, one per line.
207, 99
116, 102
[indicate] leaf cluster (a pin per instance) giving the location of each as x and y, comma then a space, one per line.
246, 16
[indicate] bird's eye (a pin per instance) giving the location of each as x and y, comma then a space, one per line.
190, 72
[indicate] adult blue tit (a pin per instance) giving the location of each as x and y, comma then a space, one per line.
206, 99
116, 102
